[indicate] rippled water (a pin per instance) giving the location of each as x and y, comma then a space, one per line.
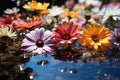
66, 70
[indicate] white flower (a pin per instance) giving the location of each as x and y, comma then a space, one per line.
5, 31
55, 11
11, 11
107, 12
91, 2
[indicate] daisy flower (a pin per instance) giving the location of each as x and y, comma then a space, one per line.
34, 5
7, 20
70, 14
66, 33
38, 41
91, 2
21, 25
55, 11
115, 37
79, 21
106, 13
5, 31
95, 36
12, 11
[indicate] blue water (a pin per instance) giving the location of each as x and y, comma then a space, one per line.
92, 70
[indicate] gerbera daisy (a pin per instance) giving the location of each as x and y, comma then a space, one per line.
21, 25
95, 36
7, 20
115, 37
109, 12
70, 14
34, 5
55, 11
8, 32
12, 11
38, 41
66, 33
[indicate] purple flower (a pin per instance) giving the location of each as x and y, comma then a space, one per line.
38, 41
115, 38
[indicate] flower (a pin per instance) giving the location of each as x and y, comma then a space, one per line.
106, 13
115, 37
38, 41
66, 33
34, 5
5, 31
11, 11
7, 20
91, 2
79, 21
95, 36
21, 25
55, 11
71, 14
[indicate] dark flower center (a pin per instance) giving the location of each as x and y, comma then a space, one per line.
8, 22
39, 43
66, 37
118, 39
95, 38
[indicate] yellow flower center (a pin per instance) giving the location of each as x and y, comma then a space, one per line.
95, 38
39, 43
66, 37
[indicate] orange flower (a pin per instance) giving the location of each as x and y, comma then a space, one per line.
44, 12
95, 36
34, 5
21, 25
71, 14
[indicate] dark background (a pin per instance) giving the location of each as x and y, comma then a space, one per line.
9, 4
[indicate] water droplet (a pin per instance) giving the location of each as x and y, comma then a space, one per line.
21, 66
105, 74
34, 74
25, 56
63, 69
72, 70
31, 77
42, 62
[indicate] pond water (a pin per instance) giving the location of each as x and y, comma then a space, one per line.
52, 69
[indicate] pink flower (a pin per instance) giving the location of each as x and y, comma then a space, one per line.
66, 33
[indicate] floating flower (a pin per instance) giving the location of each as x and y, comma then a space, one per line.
7, 20
55, 11
21, 25
71, 14
79, 21
106, 13
91, 2
11, 11
66, 32
38, 41
95, 36
34, 5
8, 32
115, 37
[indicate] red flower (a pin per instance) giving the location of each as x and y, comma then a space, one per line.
27, 24
66, 33
7, 20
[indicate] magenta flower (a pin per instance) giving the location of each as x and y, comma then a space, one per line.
115, 38
38, 41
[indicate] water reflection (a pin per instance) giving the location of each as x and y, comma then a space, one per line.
66, 70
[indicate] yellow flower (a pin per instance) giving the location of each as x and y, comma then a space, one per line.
34, 5
95, 36
70, 14
5, 31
